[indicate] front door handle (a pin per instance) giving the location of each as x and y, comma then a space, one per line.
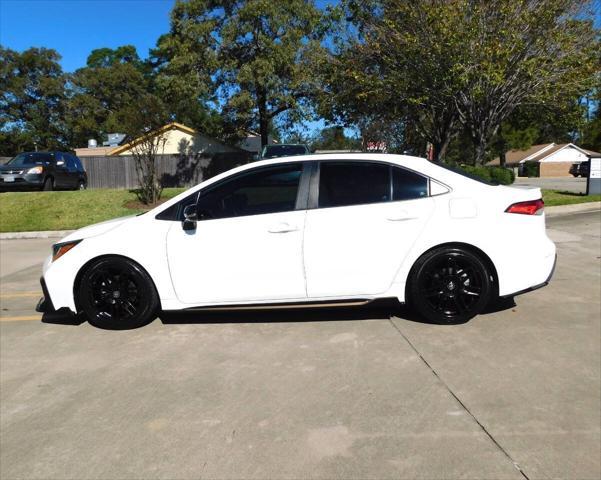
282, 227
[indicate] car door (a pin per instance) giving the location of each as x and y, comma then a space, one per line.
247, 245
72, 170
363, 219
61, 172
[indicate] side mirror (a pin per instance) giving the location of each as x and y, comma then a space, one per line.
190, 218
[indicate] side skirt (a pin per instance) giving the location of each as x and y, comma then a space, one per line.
283, 306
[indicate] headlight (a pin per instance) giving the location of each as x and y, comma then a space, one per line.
38, 169
59, 249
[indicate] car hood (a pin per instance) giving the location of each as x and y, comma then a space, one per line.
97, 228
6, 168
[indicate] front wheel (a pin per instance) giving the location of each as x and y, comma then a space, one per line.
116, 293
449, 286
48, 185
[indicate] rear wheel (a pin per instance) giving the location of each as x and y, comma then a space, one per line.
449, 285
116, 293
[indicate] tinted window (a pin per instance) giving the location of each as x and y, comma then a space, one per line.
268, 190
353, 183
272, 151
33, 158
407, 185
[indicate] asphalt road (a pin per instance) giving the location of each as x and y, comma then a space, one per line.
363, 393
564, 184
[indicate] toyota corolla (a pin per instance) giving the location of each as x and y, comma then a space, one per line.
310, 231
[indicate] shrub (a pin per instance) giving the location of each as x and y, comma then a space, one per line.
504, 176
530, 169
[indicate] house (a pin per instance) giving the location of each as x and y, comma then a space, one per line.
554, 160
252, 142
179, 139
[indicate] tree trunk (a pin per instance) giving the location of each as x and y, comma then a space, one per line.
263, 117
480, 147
502, 158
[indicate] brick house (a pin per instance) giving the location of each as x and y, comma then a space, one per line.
554, 160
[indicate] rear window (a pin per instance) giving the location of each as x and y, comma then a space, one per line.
273, 151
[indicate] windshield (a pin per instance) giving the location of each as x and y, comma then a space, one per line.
33, 158
272, 151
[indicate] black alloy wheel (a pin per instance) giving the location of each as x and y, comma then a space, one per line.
450, 285
116, 293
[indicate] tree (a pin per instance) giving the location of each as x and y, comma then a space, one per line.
145, 128
99, 93
393, 70
31, 100
256, 55
445, 66
520, 52
334, 138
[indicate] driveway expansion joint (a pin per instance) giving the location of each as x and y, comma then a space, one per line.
446, 386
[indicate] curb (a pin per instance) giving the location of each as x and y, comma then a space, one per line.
30, 235
575, 208
549, 212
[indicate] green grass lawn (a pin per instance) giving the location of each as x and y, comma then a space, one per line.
556, 197
32, 211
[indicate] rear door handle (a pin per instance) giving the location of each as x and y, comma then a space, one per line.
400, 216
282, 227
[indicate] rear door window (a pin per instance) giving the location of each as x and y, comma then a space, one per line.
353, 183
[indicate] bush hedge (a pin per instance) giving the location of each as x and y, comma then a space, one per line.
501, 175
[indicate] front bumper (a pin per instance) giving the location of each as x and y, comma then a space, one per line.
21, 181
50, 314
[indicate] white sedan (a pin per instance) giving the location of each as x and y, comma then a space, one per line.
316, 230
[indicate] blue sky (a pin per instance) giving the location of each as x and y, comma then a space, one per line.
76, 27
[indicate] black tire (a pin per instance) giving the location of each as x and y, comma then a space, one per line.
81, 185
449, 286
48, 184
116, 293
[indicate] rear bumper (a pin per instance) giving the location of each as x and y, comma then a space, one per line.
50, 314
535, 287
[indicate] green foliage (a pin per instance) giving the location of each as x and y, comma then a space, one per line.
32, 94
503, 176
435, 65
254, 56
334, 138
530, 169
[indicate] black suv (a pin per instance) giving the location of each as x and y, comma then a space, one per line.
43, 171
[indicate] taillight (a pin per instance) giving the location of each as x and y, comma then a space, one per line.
531, 207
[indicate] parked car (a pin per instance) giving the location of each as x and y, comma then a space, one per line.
584, 169
317, 230
43, 171
284, 150
575, 169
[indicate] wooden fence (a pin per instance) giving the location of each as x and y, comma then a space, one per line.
174, 170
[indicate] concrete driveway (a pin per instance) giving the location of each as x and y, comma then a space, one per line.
365, 393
